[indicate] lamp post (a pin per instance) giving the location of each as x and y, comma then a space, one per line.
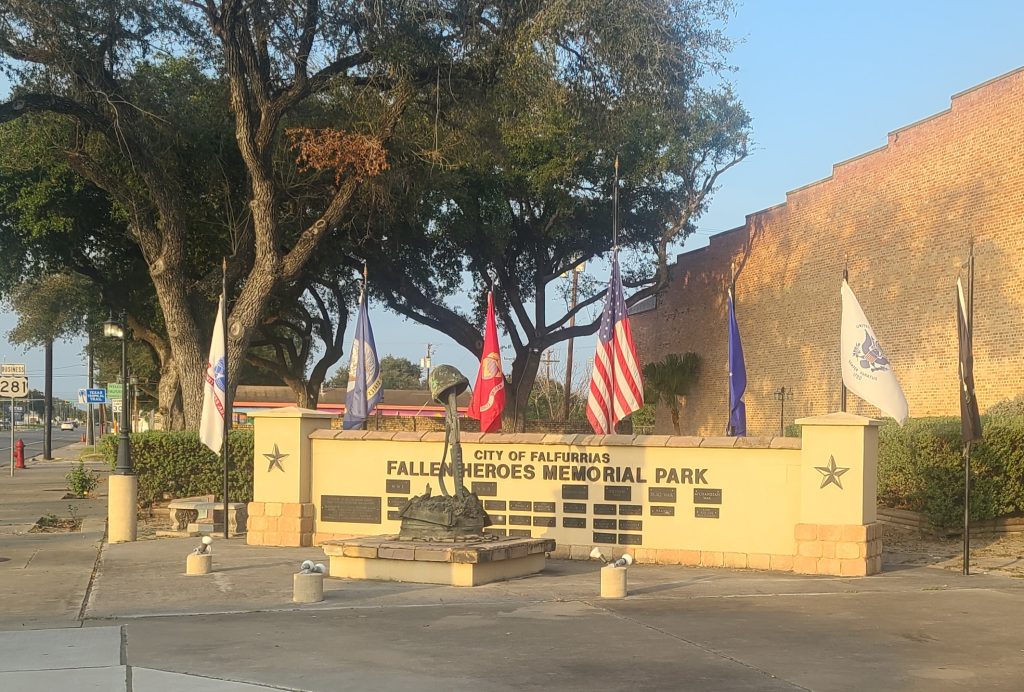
122, 515
782, 395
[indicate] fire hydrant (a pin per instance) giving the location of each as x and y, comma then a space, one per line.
19, 454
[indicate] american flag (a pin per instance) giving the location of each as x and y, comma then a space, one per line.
616, 389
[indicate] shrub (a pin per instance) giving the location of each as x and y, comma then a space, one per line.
920, 467
179, 465
81, 481
1007, 408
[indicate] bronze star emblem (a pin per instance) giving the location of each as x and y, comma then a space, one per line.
275, 459
831, 473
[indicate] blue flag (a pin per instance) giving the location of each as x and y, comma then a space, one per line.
365, 389
737, 378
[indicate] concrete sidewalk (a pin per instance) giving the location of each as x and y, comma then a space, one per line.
910, 628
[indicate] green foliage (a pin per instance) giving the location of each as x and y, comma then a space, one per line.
668, 379
81, 481
920, 468
643, 419
1007, 408
50, 308
399, 373
179, 465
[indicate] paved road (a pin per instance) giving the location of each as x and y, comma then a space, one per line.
33, 440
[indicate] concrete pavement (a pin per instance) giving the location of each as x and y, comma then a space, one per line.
911, 628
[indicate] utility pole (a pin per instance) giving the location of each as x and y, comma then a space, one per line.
425, 363
48, 404
548, 359
90, 438
567, 397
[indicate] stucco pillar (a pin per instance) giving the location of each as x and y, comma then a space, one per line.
282, 512
837, 531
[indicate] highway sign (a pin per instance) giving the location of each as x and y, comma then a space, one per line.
116, 405
114, 391
13, 386
93, 396
12, 369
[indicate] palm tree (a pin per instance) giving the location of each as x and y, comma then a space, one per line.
668, 379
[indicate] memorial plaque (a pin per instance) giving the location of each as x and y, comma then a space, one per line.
574, 523
520, 533
605, 509
518, 520
661, 494
497, 519
575, 492
396, 486
658, 511
397, 501
618, 493
544, 507
633, 510
574, 507
605, 524
356, 509
630, 539
544, 521
631, 525
494, 532
393, 515
520, 506
707, 496
485, 488
705, 512
604, 538
494, 504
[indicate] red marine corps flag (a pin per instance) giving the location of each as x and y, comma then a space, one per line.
489, 392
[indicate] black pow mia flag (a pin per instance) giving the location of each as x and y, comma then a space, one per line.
970, 420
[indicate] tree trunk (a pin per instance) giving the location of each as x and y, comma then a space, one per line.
183, 339
524, 374
675, 420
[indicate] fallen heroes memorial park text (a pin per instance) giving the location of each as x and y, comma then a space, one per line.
549, 466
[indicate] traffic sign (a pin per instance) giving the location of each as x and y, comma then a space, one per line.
13, 386
93, 396
12, 369
116, 405
114, 391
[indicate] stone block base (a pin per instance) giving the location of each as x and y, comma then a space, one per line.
282, 524
457, 563
842, 550
192, 515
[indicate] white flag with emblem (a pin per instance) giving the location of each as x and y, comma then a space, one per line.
867, 371
211, 425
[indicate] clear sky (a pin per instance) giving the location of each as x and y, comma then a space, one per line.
824, 81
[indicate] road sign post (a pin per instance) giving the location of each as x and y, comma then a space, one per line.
13, 384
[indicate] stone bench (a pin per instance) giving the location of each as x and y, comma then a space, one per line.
193, 515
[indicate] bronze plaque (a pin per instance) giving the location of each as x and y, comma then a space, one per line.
605, 509
631, 525
494, 532
520, 506
497, 519
520, 533
485, 488
356, 509
618, 493
705, 512
707, 496
575, 492
574, 507
661, 494
495, 504
630, 539
574, 523
663, 511
605, 524
633, 510
518, 520
604, 538
544, 521
397, 501
393, 515
396, 486
544, 507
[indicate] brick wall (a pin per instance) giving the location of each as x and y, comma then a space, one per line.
903, 215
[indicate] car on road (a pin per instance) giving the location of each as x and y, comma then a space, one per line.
67, 425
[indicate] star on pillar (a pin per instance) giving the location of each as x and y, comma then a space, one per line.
830, 473
275, 459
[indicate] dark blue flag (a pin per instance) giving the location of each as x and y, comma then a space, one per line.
737, 377
365, 388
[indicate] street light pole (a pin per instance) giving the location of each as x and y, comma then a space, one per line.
124, 453
122, 504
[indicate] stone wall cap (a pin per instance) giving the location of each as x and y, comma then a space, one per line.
719, 442
787, 443
839, 418
684, 441
291, 412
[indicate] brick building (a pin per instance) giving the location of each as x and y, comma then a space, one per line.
902, 215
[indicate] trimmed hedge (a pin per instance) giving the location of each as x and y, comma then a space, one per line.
179, 465
920, 468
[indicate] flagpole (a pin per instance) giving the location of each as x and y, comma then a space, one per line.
842, 383
967, 445
615, 264
732, 301
225, 456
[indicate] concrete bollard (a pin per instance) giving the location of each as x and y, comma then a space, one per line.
197, 564
307, 587
613, 582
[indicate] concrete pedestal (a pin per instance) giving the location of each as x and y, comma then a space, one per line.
613, 582
122, 508
198, 564
308, 588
